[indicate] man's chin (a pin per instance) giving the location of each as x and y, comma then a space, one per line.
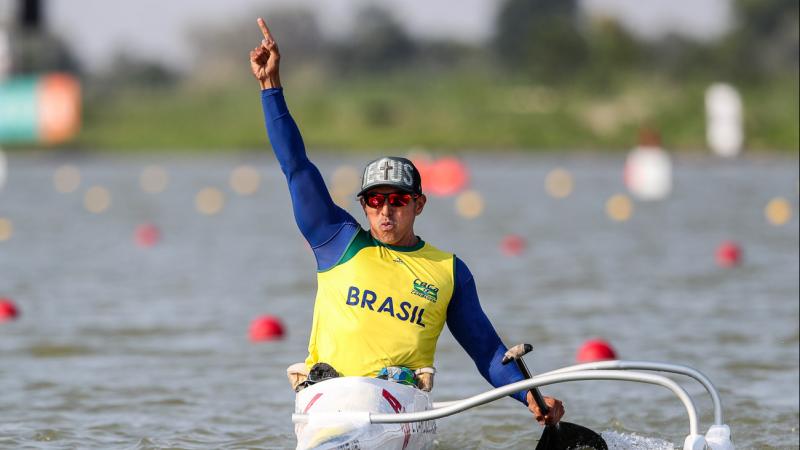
387, 237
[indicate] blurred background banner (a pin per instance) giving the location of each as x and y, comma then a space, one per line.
43, 109
38, 104
517, 74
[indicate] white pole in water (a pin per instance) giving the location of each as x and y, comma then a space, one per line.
724, 119
5, 54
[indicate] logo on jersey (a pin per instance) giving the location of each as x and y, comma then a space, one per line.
428, 291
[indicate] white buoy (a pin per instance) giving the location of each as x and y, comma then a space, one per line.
648, 169
724, 120
5, 55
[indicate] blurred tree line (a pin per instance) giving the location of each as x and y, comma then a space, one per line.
544, 41
549, 40
539, 41
559, 79
378, 44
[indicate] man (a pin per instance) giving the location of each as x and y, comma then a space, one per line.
383, 295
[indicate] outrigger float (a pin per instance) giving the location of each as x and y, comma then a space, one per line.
350, 413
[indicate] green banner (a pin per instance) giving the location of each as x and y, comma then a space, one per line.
18, 110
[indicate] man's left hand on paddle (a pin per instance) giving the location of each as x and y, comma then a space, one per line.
553, 416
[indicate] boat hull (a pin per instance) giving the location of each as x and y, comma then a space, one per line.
356, 397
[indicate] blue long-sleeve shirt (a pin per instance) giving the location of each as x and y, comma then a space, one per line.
329, 229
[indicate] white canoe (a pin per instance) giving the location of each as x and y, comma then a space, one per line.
339, 409
359, 407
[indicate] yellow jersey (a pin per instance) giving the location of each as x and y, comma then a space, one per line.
381, 306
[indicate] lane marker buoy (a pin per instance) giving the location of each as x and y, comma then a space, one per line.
146, 235
558, 183
97, 199
513, 245
266, 328
729, 254
154, 179
67, 179
778, 211
6, 229
8, 310
245, 180
209, 201
619, 208
595, 350
469, 204
648, 168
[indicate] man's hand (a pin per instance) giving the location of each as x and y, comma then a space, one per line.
264, 60
553, 416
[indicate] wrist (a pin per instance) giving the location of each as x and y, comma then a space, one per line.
270, 82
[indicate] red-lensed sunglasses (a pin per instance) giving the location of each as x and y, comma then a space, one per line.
396, 199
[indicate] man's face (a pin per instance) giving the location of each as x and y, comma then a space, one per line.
390, 222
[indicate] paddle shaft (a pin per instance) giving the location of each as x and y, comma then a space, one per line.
563, 435
537, 396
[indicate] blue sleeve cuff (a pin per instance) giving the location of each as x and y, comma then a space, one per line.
274, 103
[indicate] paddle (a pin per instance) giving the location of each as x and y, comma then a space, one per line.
563, 435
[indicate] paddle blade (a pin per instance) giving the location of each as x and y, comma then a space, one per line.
568, 436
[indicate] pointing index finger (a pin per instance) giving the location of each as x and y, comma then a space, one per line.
264, 29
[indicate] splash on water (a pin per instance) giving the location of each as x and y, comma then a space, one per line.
632, 441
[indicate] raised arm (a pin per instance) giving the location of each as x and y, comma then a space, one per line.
473, 330
327, 227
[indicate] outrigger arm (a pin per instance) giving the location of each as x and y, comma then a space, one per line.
718, 437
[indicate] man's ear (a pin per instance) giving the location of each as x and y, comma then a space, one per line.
420, 204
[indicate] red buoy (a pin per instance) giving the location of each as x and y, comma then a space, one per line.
595, 350
729, 254
8, 310
513, 245
447, 176
147, 235
266, 328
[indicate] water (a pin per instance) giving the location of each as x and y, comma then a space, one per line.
124, 347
